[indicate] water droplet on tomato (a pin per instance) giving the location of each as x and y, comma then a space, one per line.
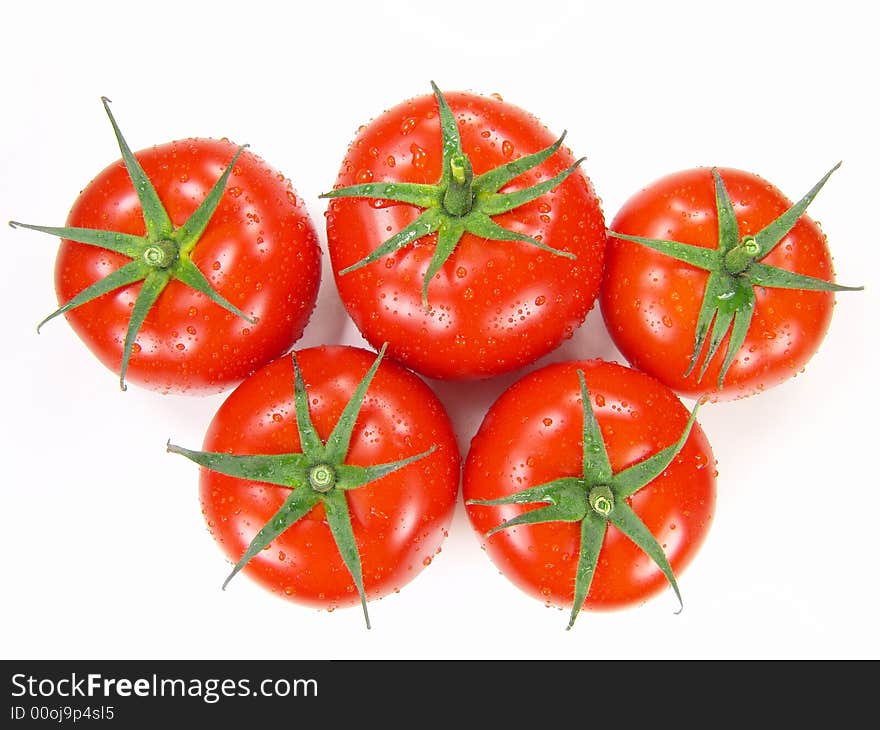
235, 191
407, 125
540, 300
461, 272
667, 320
548, 422
507, 148
390, 161
418, 155
364, 175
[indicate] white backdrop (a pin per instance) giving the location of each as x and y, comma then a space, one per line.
105, 551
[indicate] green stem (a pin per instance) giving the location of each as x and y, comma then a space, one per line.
161, 254
459, 196
740, 257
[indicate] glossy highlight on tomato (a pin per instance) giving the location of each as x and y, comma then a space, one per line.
399, 521
533, 434
651, 302
494, 305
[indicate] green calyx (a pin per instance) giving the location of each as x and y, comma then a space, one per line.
595, 499
735, 269
460, 202
163, 254
317, 475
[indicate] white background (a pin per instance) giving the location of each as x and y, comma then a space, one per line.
105, 553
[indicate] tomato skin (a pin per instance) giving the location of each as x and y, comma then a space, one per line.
494, 306
260, 250
651, 302
533, 434
399, 521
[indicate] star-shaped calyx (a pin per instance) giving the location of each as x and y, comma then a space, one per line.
595, 499
460, 202
317, 475
735, 269
161, 255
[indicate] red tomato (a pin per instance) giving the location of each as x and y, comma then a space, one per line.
651, 301
399, 521
259, 251
533, 434
494, 305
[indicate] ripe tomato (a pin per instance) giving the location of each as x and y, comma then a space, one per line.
398, 521
258, 251
652, 302
534, 434
493, 305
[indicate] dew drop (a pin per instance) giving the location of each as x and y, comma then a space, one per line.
364, 176
407, 125
507, 148
418, 155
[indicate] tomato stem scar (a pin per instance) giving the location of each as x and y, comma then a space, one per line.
740, 257
601, 499
322, 477
161, 254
